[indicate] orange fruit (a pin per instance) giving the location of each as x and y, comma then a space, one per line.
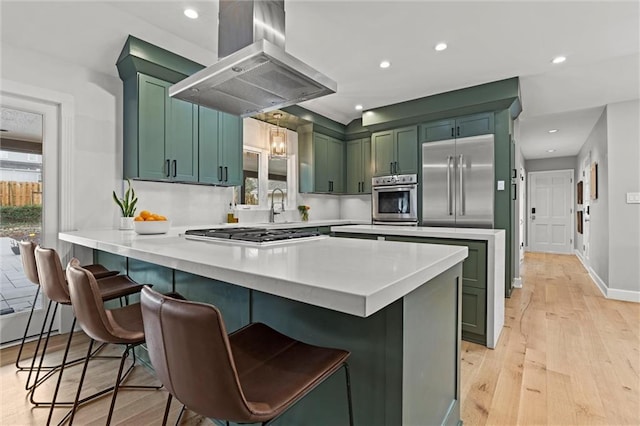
138, 219
145, 214
155, 216
149, 219
162, 217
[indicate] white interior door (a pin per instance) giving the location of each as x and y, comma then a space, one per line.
551, 211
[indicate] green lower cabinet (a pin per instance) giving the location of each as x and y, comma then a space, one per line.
474, 281
474, 314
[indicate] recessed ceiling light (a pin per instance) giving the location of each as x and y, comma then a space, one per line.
559, 59
359, 107
553, 131
441, 46
190, 13
551, 150
385, 64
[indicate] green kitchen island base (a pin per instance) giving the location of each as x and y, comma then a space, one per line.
405, 358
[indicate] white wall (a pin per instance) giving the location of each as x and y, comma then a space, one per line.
597, 256
547, 164
623, 135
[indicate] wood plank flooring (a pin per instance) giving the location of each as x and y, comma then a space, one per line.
567, 356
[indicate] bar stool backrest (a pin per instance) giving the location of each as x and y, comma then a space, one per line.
51, 275
88, 305
27, 255
191, 355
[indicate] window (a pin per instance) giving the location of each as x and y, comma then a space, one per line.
261, 175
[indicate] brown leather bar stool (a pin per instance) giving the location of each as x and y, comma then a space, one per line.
30, 271
52, 280
252, 375
118, 326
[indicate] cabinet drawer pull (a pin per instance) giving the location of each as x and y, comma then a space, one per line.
175, 168
226, 174
168, 167
220, 173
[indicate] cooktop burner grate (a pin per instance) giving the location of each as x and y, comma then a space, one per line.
253, 235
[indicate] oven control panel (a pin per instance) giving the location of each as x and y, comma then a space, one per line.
395, 180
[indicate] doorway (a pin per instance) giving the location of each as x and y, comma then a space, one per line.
551, 211
28, 152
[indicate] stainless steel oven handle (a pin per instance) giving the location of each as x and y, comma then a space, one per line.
395, 188
462, 195
449, 204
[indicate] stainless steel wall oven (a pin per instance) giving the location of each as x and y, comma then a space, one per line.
394, 200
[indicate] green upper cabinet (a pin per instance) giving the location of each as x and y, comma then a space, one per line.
460, 127
358, 166
168, 139
220, 144
182, 146
321, 163
164, 144
437, 131
395, 151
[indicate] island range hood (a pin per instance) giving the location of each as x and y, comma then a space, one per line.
253, 74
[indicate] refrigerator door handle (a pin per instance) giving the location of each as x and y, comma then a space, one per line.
462, 195
449, 204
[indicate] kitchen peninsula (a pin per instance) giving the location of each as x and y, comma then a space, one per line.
394, 305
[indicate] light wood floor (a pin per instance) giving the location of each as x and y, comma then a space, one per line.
567, 356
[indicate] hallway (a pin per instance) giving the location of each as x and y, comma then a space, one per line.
567, 355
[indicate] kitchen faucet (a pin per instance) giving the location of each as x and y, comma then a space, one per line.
272, 212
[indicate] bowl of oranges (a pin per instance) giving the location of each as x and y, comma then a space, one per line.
150, 223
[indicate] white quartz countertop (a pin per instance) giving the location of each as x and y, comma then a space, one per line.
357, 277
422, 231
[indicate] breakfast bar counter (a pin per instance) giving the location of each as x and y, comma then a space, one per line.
395, 306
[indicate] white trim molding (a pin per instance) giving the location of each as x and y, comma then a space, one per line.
609, 293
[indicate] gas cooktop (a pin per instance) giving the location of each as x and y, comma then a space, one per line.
254, 236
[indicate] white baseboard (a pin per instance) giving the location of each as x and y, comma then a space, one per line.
624, 295
517, 282
609, 293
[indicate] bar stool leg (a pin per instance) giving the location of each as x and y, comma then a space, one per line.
64, 360
348, 378
180, 415
72, 413
44, 349
26, 331
166, 410
125, 355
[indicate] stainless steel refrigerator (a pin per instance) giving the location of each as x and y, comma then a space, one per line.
457, 182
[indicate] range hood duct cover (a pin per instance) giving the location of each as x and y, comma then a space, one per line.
253, 74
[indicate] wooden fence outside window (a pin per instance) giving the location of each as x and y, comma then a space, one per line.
20, 193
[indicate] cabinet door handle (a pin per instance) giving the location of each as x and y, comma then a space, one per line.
514, 189
220, 173
226, 174
458, 131
359, 183
452, 132
168, 167
175, 168
391, 168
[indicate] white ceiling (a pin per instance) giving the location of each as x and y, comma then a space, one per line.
346, 40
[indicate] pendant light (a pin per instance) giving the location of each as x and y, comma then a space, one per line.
277, 139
